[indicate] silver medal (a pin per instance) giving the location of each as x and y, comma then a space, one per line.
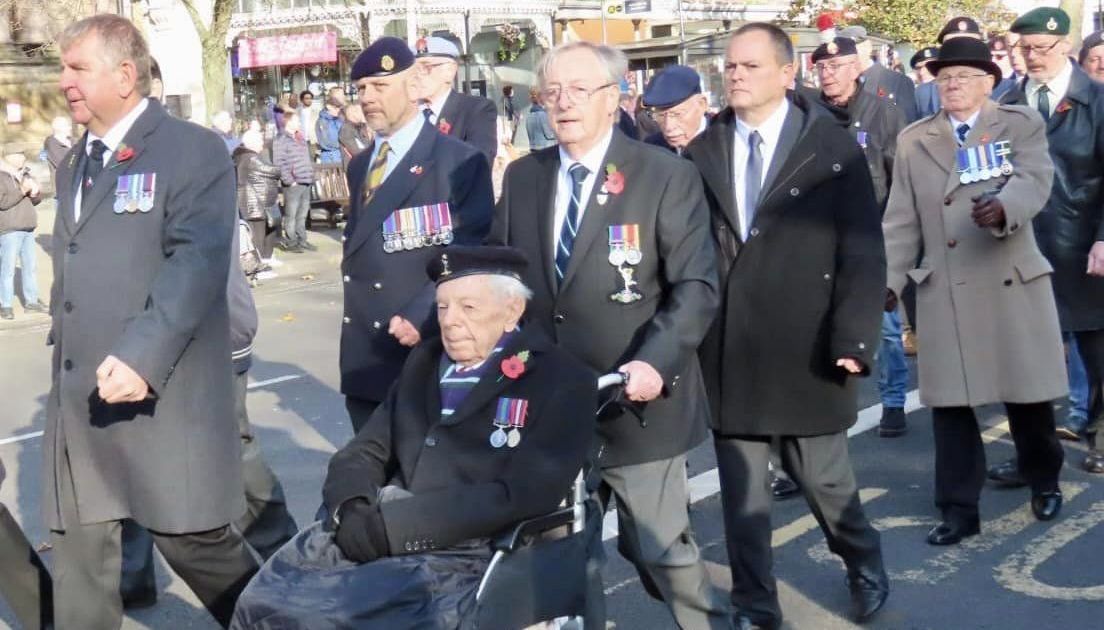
513, 438
633, 256
446, 237
146, 203
617, 256
120, 205
1006, 169
498, 438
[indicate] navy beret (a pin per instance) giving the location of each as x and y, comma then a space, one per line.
1090, 42
671, 86
458, 261
923, 55
836, 48
385, 57
959, 26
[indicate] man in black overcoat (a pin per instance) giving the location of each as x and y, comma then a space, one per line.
624, 277
467, 117
414, 192
802, 266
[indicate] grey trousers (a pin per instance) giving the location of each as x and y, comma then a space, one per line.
266, 524
655, 537
215, 564
24, 581
821, 466
296, 208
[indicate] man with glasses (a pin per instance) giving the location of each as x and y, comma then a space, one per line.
966, 185
624, 277
466, 117
675, 98
802, 265
1070, 228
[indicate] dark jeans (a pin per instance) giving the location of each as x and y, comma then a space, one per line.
1090, 344
960, 455
264, 237
296, 209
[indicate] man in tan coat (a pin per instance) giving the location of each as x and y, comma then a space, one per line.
966, 185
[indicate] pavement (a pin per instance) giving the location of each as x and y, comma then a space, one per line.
1018, 574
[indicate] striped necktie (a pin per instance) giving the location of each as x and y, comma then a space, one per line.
375, 174
570, 226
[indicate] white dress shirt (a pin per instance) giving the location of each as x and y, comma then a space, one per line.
111, 139
970, 122
1058, 86
593, 163
435, 107
770, 131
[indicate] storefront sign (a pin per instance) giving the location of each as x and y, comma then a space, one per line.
637, 6
286, 50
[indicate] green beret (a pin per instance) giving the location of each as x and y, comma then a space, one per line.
1042, 21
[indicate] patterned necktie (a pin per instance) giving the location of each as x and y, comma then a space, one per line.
1044, 102
570, 226
375, 174
753, 177
962, 131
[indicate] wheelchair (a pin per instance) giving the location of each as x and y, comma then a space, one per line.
549, 567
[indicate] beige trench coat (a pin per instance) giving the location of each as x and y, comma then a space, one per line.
987, 320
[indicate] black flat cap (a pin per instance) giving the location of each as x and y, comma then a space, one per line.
458, 261
673, 85
838, 47
385, 57
959, 26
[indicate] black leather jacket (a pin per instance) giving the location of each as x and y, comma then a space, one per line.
258, 184
1071, 221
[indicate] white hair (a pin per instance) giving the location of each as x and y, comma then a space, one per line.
253, 140
222, 120
509, 287
612, 60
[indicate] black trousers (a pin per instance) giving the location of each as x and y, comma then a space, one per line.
960, 455
822, 467
1090, 343
360, 409
266, 524
24, 580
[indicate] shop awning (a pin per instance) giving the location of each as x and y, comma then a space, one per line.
286, 50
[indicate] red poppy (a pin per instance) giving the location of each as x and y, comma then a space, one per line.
125, 154
1064, 106
444, 126
512, 367
615, 182
881, 92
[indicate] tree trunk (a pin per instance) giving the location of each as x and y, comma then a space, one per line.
215, 56
1073, 8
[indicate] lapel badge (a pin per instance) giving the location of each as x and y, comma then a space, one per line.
416, 169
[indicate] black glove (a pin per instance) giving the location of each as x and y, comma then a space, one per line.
361, 536
890, 301
988, 211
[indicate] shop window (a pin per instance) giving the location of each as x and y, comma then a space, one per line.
662, 30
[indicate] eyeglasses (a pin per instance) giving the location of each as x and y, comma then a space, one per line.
576, 94
831, 68
1035, 50
662, 116
959, 79
426, 68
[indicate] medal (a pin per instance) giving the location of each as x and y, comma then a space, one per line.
861, 138
626, 295
616, 255
1003, 149
145, 201
513, 438
633, 252
498, 438
120, 205
510, 413
633, 256
389, 230
982, 162
963, 166
994, 161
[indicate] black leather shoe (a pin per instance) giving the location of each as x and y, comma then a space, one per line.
1068, 430
743, 622
893, 423
783, 487
1007, 474
1094, 463
1046, 505
869, 591
952, 532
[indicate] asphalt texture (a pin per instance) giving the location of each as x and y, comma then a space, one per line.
1019, 573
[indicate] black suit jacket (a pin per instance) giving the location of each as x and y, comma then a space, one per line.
806, 288
882, 82
472, 119
379, 285
463, 487
677, 278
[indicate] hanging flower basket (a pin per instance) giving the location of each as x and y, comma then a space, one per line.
511, 42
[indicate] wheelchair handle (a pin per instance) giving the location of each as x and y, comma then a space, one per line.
612, 380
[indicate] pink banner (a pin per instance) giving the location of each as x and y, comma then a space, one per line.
286, 50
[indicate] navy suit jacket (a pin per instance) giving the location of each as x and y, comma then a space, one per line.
379, 285
472, 119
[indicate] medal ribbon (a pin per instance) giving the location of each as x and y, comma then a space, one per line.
983, 156
122, 186
149, 180
429, 220
502, 414
445, 216
616, 235
632, 236
963, 161
519, 409
991, 153
390, 225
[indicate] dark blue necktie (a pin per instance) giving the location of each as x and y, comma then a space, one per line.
1044, 102
962, 131
570, 226
753, 177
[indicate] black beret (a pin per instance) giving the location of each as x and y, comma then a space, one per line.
959, 26
1042, 21
385, 57
673, 85
922, 55
837, 47
458, 261
1090, 42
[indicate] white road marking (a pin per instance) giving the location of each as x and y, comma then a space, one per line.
20, 438
1017, 573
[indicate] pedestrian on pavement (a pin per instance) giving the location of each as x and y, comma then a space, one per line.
291, 154
24, 581
413, 193
142, 382
1069, 227
58, 143
472, 119
19, 196
638, 303
509, 112
990, 328
328, 131
537, 125
355, 136
879, 80
674, 97
873, 123
800, 239
1091, 56
258, 186
222, 123
308, 111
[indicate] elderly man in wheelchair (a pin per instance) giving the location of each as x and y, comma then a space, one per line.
485, 427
